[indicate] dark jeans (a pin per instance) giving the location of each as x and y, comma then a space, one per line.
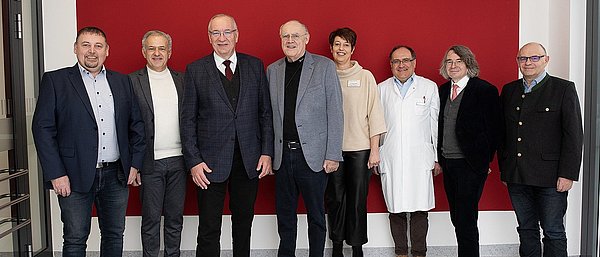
109, 194
242, 195
535, 206
463, 188
418, 232
346, 199
293, 178
163, 193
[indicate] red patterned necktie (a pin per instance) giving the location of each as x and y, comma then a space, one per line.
454, 92
228, 72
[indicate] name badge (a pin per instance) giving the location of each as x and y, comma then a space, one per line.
353, 83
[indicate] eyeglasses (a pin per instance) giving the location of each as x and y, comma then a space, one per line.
535, 58
293, 37
226, 33
454, 62
401, 61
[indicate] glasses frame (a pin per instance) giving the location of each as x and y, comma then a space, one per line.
293, 37
402, 61
533, 58
225, 33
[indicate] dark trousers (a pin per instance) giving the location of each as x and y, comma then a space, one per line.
163, 193
242, 195
295, 178
109, 194
535, 206
419, 224
463, 188
346, 199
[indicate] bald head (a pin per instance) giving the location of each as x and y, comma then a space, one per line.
294, 37
532, 60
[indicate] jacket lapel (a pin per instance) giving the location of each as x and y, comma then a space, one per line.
307, 72
79, 86
215, 80
145, 84
114, 88
244, 73
179, 87
281, 87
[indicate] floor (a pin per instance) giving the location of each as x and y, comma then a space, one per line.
438, 251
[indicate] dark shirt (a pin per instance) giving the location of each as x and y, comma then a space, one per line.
293, 70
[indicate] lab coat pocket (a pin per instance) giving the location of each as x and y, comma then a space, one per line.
421, 108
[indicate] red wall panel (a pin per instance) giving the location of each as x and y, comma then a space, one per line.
489, 28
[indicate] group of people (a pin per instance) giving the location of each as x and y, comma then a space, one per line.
322, 127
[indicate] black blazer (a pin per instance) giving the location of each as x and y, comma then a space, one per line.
209, 124
477, 122
141, 88
551, 134
66, 133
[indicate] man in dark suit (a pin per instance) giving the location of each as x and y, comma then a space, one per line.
89, 136
467, 141
540, 154
163, 174
227, 135
309, 125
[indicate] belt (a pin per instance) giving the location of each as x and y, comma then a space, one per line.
292, 145
102, 165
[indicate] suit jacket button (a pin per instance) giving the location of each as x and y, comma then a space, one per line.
519, 154
547, 109
152, 137
280, 141
518, 108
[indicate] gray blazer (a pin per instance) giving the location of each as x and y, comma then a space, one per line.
319, 115
141, 89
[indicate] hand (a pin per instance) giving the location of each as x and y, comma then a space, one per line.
62, 186
198, 175
563, 184
330, 166
373, 159
489, 170
437, 169
134, 179
375, 170
264, 165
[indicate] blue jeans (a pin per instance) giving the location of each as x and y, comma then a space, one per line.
293, 178
109, 193
535, 207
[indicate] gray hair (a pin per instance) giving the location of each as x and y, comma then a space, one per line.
157, 33
222, 15
466, 56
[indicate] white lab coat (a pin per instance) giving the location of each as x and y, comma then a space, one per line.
409, 149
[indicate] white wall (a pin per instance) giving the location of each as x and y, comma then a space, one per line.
495, 227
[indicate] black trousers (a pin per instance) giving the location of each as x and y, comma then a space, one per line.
346, 199
242, 195
463, 188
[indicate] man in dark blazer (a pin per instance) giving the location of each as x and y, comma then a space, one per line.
227, 135
468, 138
540, 154
89, 137
163, 173
309, 123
